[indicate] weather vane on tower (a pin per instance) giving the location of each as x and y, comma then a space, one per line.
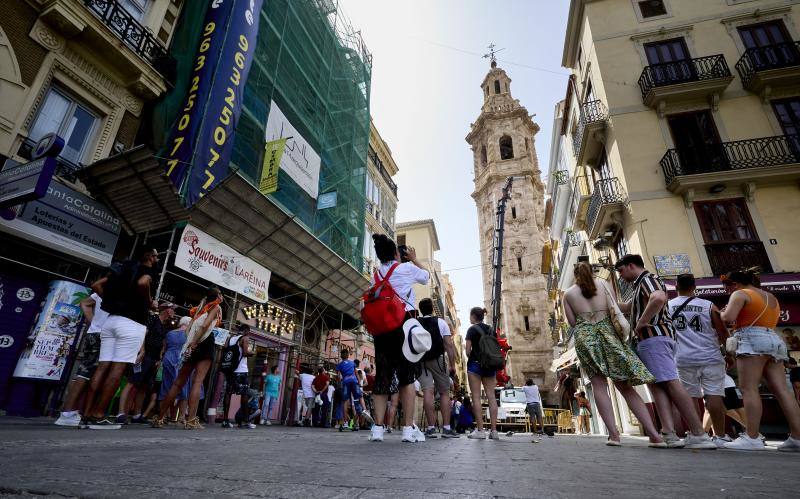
492, 53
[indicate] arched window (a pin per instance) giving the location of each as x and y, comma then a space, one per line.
506, 147
497, 86
483, 156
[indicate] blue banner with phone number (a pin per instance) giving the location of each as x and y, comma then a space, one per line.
203, 135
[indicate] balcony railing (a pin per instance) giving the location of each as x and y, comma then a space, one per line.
754, 60
372, 155
574, 239
64, 167
562, 261
731, 156
735, 256
672, 73
561, 177
591, 112
606, 191
132, 33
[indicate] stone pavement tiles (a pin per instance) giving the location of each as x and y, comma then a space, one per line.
39, 458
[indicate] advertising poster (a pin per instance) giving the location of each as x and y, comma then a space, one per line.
299, 159
202, 255
20, 300
59, 323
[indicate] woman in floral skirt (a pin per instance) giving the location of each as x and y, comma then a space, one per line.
603, 355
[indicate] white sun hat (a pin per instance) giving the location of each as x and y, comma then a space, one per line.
416, 340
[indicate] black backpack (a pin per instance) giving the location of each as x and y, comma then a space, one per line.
431, 324
490, 355
231, 355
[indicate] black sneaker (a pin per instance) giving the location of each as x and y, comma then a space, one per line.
84, 423
122, 419
140, 420
103, 424
227, 424
431, 433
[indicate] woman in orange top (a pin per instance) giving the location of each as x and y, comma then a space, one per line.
760, 352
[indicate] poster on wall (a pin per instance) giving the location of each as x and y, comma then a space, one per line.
67, 221
56, 329
299, 159
20, 300
214, 261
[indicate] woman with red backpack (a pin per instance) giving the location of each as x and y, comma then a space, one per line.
389, 358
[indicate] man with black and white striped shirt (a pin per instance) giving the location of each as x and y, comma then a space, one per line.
655, 343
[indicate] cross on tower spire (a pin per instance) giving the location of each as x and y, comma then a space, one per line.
491, 55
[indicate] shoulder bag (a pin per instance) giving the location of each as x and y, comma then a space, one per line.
621, 325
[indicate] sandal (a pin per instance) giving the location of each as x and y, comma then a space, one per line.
157, 422
193, 424
613, 443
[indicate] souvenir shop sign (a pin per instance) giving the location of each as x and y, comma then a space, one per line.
207, 258
67, 221
55, 332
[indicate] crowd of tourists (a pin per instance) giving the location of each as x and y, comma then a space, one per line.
675, 348
672, 346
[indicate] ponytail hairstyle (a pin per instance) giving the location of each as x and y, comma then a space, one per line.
478, 312
385, 248
584, 278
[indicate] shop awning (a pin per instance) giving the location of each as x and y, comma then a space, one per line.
564, 360
134, 187
236, 213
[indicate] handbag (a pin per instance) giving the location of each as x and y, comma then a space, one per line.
621, 325
732, 343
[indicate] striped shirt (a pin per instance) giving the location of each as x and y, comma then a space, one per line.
659, 324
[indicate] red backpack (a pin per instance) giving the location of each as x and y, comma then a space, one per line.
383, 310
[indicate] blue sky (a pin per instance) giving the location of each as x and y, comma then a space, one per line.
425, 93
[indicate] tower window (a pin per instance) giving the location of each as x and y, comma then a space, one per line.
506, 147
483, 156
652, 8
497, 86
513, 212
519, 263
527, 323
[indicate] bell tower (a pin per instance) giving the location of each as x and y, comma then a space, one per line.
502, 143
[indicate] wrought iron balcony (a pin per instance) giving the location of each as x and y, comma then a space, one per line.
133, 34
64, 167
677, 81
609, 197
713, 163
734, 256
773, 65
575, 239
587, 139
562, 261
561, 177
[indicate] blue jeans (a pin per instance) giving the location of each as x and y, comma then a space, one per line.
267, 405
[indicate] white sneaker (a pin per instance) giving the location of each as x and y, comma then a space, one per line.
493, 435
744, 442
261, 422
73, 420
672, 440
477, 435
376, 434
721, 441
699, 442
790, 445
412, 434
268, 422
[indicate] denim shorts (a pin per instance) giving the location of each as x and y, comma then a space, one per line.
658, 355
756, 340
475, 368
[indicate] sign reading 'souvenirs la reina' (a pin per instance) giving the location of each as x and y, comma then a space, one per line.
202, 255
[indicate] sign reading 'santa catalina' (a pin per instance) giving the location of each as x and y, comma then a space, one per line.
208, 258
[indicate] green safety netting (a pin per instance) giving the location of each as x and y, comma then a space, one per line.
317, 69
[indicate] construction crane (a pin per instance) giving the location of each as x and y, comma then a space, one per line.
497, 256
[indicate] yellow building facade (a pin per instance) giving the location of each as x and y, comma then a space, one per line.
381, 194
678, 140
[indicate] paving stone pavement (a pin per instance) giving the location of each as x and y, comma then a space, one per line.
37, 458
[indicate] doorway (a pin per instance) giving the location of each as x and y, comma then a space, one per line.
697, 142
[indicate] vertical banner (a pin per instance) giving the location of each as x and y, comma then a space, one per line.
215, 140
272, 164
180, 147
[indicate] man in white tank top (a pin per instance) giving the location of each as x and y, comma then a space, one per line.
701, 367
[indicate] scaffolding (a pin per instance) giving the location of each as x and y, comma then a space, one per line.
311, 62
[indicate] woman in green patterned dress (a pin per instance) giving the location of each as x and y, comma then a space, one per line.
603, 355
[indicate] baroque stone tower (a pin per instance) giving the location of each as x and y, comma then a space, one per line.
502, 142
